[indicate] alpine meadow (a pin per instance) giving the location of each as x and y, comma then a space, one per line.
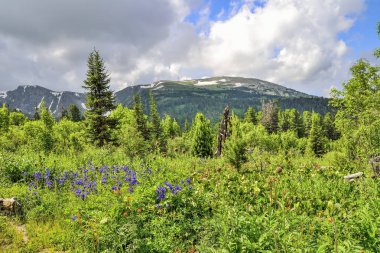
214, 164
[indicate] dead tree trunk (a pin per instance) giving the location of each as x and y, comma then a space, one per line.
223, 130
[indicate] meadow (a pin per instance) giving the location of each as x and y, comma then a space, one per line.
128, 181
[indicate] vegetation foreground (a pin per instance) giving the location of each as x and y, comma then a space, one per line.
118, 180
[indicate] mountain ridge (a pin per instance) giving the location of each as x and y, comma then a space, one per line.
179, 99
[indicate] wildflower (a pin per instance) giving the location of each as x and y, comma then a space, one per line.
130, 189
160, 192
169, 185
139, 210
74, 218
182, 182
104, 180
190, 187
149, 171
113, 188
34, 193
49, 184
38, 175
188, 180
158, 206
82, 196
78, 192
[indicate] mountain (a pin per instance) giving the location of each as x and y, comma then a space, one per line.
180, 99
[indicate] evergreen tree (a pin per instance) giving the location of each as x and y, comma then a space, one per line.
63, 114
283, 120
4, 119
187, 126
202, 137
46, 117
36, 115
328, 126
167, 126
306, 120
100, 101
235, 147
176, 128
141, 122
317, 139
295, 122
269, 118
250, 116
73, 113
154, 117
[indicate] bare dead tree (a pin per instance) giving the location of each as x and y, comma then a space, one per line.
223, 130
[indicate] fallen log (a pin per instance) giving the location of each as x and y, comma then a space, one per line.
354, 176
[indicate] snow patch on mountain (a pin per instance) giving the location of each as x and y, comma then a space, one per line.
205, 83
3, 94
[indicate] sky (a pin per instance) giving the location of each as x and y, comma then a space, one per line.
307, 45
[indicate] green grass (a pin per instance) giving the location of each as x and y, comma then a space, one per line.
306, 208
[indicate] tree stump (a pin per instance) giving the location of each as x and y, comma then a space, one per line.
375, 162
9, 206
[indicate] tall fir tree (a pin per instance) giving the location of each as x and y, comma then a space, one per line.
317, 139
250, 116
154, 117
202, 136
235, 147
100, 101
73, 113
141, 122
46, 117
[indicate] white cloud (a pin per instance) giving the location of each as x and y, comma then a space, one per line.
290, 42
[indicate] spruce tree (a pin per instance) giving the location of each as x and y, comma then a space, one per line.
46, 117
100, 101
154, 117
141, 122
202, 137
73, 113
235, 148
250, 116
317, 139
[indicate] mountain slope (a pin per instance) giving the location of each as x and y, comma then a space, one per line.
180, 99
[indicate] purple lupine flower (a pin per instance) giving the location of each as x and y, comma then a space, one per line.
130, 189
78, 192
169, 185
74, 218
38, 175
113, 188
158, 206
160, 192
188, 180
49, 184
